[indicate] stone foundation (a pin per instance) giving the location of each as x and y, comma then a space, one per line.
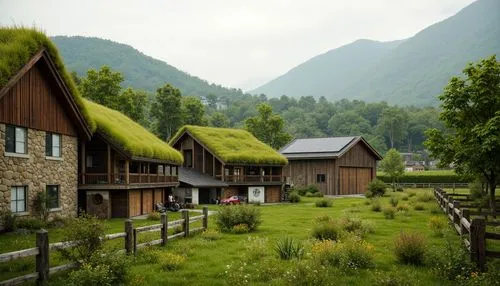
36, 172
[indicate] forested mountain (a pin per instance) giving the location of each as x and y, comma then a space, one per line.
413, 72
139, 70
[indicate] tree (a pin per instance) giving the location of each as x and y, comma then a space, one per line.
218, 120
102, 86
166, 111
212, 101
393, 166
393, 123
192, 111
268, 127
348, 123
471, 110
133, 104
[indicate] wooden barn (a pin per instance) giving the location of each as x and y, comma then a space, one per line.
337, 165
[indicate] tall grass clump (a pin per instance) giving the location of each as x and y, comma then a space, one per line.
376, 205
389, 212
324, 203
294, 197
351, 254
376, 188
394, 201
425, 197
287, 248
230, 216
323, 230
409, 248
438, 225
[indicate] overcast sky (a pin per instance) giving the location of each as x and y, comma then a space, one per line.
234, 43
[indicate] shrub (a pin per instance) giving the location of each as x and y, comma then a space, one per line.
8, 220
351, 254
312, 189
376, 188
86, 231
39, 206
350, 224
170, 261
452, 261
438, 176
294, 197
376, 205
404, 198
393, 201
90, 275
287, 248
230, 216
425, 197
154, 215
324, 203
30, 223
116, 263
241, 228
210, 234
419, 207
409, 248
314, 195
389, 212
326, 230
402, 208
438, 225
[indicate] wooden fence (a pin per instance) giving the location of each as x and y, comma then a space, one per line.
431, 185
470, 224
43, 248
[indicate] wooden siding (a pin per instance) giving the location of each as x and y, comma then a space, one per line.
358, 156
134, 203
304, 173
272, 194
158, 198
34, 102
147, 201
198, 157
118, 203
354, 180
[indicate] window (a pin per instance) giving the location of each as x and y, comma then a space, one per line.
18, 199
52, 145
320, 178
15, 141
52, 197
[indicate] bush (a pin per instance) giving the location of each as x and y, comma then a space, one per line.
90, 275
210, 234
409, 248
351, 254
438, 225
287, 248
86, 231
425, 197
241, 228
30, 223
393, 201
314, 195
419, 207
117, 264
39, 206
326, 230
294, 197
230, 216
404, 198
376, 188
351, 224
376, 205
402, 208
324, 203
154, 215
439, 176
389, 212
170, 261
452, 261
8, 220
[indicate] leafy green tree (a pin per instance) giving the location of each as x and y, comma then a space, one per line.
133, 104
268, 127
471, 110
166, 111
212, 101
393, 123
102, 86
348, 123
377, 142
76, 79
393, 166
192, 111
218, 120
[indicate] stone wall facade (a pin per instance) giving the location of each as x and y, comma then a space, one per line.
36, 172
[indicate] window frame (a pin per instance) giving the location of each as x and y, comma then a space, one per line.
50, 146
14, 140
50, 199
320, 178
16, 200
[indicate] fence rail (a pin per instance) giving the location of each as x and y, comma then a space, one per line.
43, 248
472, 230
431, 185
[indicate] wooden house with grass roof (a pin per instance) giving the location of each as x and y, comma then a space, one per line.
42, 121
222, 162
124, 169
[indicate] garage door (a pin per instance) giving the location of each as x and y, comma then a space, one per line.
134, 203
354, 180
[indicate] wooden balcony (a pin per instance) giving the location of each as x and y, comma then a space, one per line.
251, 178
120, 179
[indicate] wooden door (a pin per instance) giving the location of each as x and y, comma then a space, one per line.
134, 203
147, 201
354, 180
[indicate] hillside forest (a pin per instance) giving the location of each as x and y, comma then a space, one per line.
166, 110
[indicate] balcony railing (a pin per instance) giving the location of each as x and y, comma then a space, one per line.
250, 178
120, 178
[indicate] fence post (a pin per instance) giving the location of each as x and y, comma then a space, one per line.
478, 242
205, 217
135, 241
445, 201
42, 259
129, 239
164, 228
456, 218
185, 225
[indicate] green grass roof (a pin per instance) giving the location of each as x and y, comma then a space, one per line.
19, 45
234, 145
129, 135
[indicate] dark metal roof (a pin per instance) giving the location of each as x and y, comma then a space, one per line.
319, 148
194, 178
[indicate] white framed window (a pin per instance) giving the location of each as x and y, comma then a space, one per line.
15, 140
18, 199
53, 145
